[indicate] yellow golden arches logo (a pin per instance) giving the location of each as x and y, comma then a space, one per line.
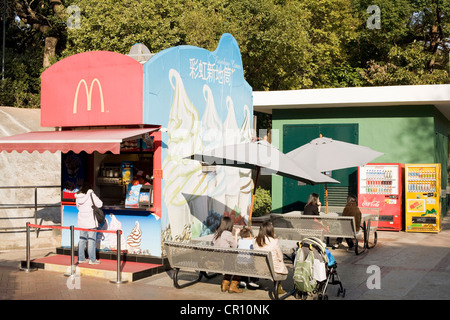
89, 95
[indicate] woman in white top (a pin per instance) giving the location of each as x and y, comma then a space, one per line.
86, 220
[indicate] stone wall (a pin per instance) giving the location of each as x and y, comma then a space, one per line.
27, 169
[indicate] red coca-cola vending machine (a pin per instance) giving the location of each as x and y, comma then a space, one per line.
380, 186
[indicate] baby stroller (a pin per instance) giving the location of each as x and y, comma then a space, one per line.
314, 269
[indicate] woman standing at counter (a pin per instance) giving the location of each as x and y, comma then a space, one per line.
86, 220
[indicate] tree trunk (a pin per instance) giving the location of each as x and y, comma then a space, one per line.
436, 36
49, 50
26, 12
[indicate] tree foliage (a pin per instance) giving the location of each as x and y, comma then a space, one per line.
285, 44
411, 47
116, 25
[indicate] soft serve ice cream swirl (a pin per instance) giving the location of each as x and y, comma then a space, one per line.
134, 239
245, 181
211, 125
231, 174
212, 137
184, 180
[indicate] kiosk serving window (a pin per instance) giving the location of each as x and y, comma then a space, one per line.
120, 179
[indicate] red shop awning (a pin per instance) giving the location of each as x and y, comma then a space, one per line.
100, 140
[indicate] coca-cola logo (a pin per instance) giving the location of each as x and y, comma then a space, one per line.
373, 204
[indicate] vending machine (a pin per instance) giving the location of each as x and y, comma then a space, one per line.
380, 186
422, 197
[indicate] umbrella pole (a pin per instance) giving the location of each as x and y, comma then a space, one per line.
326, 189
253, 197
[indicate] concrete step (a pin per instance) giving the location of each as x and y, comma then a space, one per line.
107, 269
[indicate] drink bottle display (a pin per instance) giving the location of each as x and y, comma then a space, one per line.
422, 197
380, 187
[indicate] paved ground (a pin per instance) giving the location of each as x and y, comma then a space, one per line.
403, 266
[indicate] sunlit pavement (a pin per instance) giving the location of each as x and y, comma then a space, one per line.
402, 266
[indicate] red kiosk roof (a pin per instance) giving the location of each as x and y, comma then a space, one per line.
101, 140
97, 88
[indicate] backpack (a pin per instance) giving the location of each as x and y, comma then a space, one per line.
310, 264
303, 271
97, 212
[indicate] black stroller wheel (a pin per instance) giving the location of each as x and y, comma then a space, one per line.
321, 296
341, 291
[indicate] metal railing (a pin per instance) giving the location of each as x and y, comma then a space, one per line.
29, 268
34, 205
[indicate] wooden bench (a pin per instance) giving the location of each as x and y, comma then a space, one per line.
204, 259
332, 226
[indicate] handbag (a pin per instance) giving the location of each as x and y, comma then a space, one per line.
98, 213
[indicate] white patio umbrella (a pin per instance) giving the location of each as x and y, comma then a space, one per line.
261, 155
326, 154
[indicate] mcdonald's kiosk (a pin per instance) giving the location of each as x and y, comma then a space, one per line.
99, 109
115, 116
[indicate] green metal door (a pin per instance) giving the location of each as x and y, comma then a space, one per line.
296, 194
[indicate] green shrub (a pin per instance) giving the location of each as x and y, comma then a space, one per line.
263, 202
